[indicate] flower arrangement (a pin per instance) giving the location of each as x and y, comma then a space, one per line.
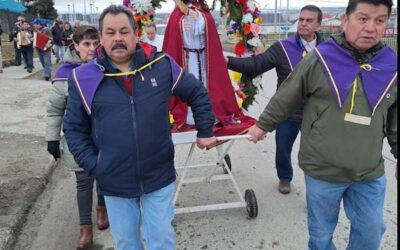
143, 11
245, 20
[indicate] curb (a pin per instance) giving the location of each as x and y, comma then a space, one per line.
13, 229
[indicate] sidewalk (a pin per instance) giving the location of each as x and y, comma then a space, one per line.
25, 166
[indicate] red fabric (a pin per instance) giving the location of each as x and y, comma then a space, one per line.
219, 87
127, 81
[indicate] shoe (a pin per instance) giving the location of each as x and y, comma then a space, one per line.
284, 187
47, 78
29, 70
58, 60
1, 71
25, 67
85, 237
102, 218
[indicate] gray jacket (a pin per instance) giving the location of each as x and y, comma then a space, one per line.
55, 109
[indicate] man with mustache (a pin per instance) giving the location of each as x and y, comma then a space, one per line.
117, 127
349, 84
283, 56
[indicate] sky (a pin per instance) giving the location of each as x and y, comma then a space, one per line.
62, 5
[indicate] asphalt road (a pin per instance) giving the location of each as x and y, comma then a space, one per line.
52, 222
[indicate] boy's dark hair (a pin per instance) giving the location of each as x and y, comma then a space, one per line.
85, 32
115, 10
314, 9
352, 5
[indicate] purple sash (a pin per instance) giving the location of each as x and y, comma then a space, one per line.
63, 72
292, 51
341, 69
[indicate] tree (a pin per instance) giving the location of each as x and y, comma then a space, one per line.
42, 8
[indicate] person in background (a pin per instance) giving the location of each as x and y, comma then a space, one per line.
57, 31
284, 55
13, 38
25, 44
151, 36
77, 23
45, 53
67, 35
117, 127
349, 84
85, 41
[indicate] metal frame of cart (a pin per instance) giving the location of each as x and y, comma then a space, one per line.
248, 200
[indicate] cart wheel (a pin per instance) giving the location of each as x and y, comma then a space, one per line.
228, 162
252, 207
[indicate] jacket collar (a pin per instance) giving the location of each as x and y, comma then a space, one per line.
359, 57
139, 59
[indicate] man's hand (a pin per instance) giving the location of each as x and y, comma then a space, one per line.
53, 147
256, 134
206, 142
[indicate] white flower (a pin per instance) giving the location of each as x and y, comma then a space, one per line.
141, 6
255, 42
251, 6
248, 18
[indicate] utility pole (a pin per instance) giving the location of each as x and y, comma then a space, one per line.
276, 9
73, 10
84, 9
69, 13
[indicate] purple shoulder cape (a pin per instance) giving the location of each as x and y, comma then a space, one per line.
292, 51
88, 77
176, 71
341, 69
63, 72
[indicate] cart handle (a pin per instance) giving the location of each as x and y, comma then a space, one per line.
234, 137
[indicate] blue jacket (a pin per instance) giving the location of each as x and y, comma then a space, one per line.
126, 140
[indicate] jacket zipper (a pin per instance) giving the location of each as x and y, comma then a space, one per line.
138, 174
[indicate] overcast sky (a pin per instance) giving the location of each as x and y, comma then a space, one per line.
62, 5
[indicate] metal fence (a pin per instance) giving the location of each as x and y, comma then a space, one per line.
391, 41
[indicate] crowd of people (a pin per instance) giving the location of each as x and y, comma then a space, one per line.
112, 96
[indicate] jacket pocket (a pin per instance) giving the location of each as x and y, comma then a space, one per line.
317, 117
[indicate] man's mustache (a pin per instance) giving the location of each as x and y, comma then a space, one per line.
119, 46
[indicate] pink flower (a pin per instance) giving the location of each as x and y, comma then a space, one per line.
255, 29
150, 11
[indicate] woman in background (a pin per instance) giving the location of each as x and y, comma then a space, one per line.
85, 40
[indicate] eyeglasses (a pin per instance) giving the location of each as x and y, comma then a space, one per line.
20, 20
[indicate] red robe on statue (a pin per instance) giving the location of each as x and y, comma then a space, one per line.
219, 85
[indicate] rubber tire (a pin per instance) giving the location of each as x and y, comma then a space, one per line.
251, 200
228, 161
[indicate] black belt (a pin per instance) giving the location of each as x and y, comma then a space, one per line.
198, 52
195, 50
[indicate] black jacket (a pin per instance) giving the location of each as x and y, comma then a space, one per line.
126, 141
273, 57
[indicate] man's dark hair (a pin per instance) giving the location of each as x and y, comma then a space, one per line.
352, 5
314, 9
84, 32
115, 10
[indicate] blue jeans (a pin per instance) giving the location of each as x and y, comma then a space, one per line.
59, 50
363, 205
45, 60
27, 53
154, 211
285, 135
